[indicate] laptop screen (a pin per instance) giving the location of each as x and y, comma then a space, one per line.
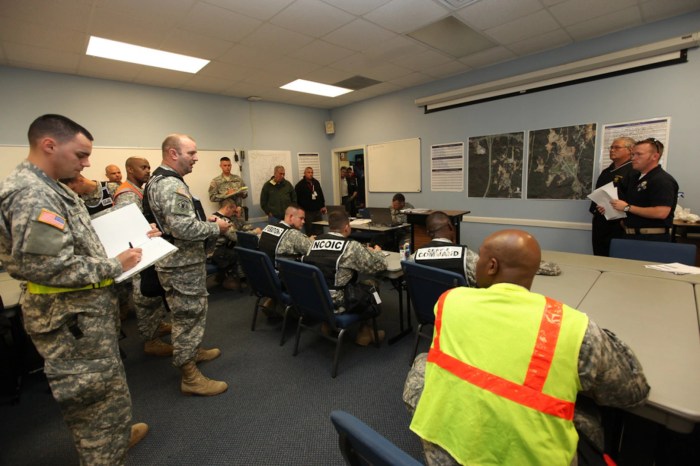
380, 215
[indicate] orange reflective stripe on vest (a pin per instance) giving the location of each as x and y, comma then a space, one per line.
530, 392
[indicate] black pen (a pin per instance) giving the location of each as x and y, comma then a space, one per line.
131, 246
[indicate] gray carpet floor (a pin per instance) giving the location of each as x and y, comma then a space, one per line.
276, 411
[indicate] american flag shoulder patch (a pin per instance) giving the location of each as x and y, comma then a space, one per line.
52, 218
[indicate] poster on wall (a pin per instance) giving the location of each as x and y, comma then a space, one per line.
447, 167
560, 162
657, 128
262, 167
309, 159
496, 166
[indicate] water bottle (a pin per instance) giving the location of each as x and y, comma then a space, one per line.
406, 250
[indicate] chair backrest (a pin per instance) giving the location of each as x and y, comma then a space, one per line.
425, 285
307, 289
260, 274
247, 240
653, 251
361, 445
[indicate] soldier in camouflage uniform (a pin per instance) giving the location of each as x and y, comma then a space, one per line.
150, 311
70, 310
226, 184
285, 239
224, 255
608, 371
341, 260
182, 274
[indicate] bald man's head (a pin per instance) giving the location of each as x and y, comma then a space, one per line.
438, 225
508, 256
138, 170
113, 173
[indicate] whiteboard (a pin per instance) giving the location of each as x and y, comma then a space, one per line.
206, 168
394, 166
262, 167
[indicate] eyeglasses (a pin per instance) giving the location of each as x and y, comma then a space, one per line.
618, 147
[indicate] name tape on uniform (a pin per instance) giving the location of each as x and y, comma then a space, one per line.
327, 245
444, 252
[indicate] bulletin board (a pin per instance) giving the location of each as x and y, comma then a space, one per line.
394, 166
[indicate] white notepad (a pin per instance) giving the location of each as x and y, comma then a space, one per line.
119, 228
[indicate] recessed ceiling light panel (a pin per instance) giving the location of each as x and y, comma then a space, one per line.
114, 50
310, 87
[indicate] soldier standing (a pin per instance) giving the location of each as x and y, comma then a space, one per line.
183, 274
150, 311
70, 310
227, 185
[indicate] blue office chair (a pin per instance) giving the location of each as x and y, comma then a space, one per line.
653, 251
312, 300
363, 446
425, 284
264, 283
246, 240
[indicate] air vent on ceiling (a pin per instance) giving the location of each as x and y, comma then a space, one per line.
457, 4
357, 82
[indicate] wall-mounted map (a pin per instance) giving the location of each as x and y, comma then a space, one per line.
496, 165
560, 162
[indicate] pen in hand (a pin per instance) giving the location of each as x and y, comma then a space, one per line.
131, 246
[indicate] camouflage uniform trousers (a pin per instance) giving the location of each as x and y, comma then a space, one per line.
150, 312
126, 300
86, 374
186, 294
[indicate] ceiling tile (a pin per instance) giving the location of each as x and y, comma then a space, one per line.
27, 56
420, 61
328, 75
484, 15
207, 84
217, 69
359, 35
450, 68
575, 11
108, 69
321, 52
312, 17
247, 56
522, 28
595, 27
357, 7
488, 57
410, 80
259, 9
160, 77
210, 20
403, 16
38, 35
546, 41
275, 39
655, 10
195, 45
70, 15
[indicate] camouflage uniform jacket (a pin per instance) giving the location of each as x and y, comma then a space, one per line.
46, 237
129, 193
237, 224
355, 259
101, 197
293, 243
171, 202
608, 370
221, 184
397, 216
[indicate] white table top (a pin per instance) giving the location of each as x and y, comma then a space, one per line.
658, 319
570, 287
611, 264
369, 226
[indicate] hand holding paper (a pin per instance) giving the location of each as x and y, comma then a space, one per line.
124, 229
602, 196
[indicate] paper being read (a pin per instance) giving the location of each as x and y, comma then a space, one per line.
602, 196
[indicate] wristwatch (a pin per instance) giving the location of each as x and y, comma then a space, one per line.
627, 208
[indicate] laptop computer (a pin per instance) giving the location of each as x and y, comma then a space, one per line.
381, 216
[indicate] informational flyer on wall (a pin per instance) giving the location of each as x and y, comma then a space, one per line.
447, 167
657, 128
312, 160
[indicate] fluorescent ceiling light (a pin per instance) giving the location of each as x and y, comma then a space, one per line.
105, 48
310, 87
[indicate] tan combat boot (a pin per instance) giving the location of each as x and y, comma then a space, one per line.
365, 335
138, 432
194, 383
207, 354
157, 347
164, 328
